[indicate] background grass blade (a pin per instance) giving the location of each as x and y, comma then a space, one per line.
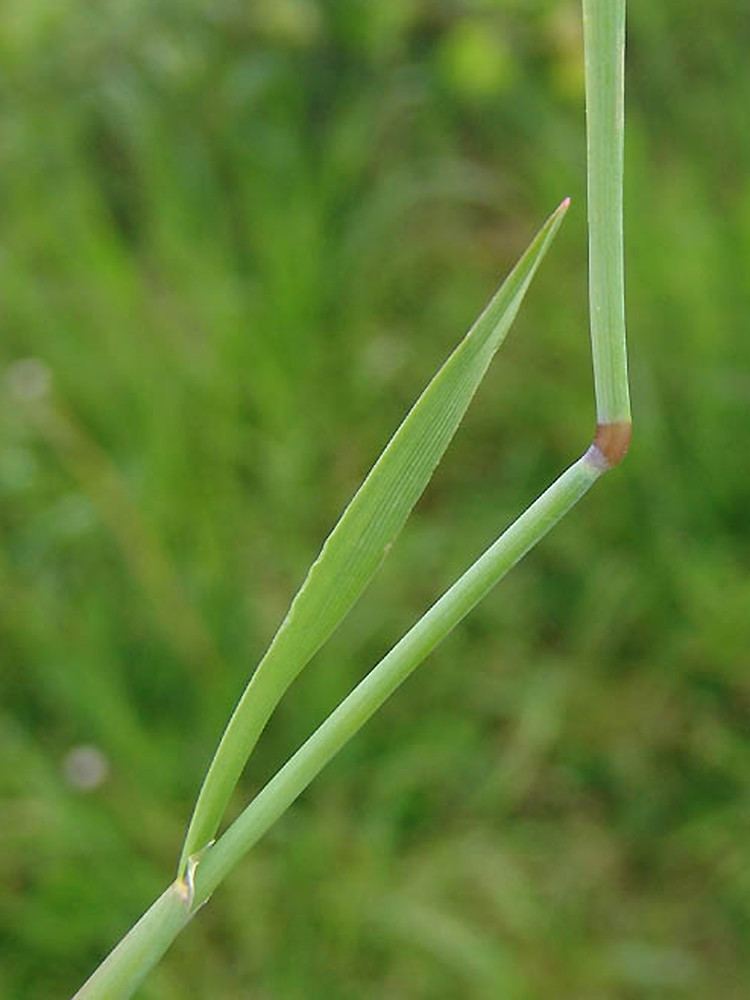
361, 539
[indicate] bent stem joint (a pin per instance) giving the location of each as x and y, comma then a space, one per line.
610, 445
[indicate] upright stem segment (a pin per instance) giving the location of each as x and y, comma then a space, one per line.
604, 38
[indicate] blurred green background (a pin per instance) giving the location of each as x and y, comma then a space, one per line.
237, 238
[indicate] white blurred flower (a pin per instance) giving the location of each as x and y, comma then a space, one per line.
85, 768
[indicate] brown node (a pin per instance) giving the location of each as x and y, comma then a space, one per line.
612, 441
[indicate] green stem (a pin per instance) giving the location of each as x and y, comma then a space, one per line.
604, 37
349, 717
138, 952
142, 948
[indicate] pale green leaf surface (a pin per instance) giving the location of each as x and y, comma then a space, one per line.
360, 540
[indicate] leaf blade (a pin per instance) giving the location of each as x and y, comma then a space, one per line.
359, 541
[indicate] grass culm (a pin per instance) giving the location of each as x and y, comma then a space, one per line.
366, 530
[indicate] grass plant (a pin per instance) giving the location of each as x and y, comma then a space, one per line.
236, 240
362, 537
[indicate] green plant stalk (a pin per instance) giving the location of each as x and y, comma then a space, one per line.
126, 966
141, 949
360, 540
604, 45
368, 696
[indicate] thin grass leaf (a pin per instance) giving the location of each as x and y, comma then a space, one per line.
360, 540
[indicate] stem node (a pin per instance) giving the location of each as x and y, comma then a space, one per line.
610, 444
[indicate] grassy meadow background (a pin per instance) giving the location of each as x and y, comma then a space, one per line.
236, 240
